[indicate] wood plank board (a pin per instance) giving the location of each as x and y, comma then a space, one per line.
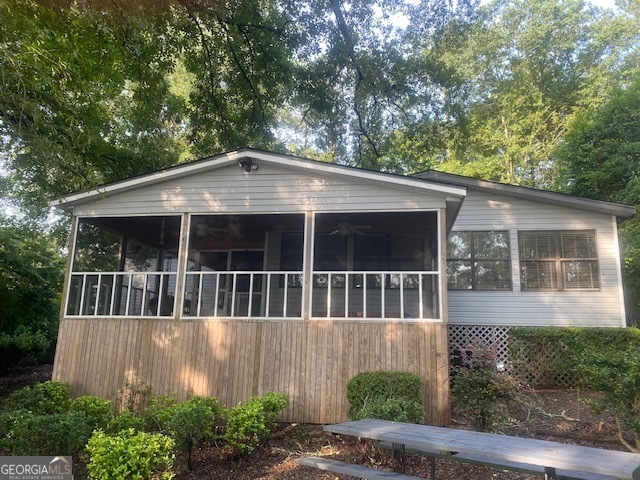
353, 470
622, 465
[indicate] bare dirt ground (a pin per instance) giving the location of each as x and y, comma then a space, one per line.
558, 415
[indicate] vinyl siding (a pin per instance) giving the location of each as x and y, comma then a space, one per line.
482, 211
272, 189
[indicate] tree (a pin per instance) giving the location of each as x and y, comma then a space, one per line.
600, 158
525, 68
31, 271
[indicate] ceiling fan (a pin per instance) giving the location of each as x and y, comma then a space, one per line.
345, 228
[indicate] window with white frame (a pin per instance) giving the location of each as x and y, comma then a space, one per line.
559, 260
479, 260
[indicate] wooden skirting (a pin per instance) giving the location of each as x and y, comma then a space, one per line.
233, 360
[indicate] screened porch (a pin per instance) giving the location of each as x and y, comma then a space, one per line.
373, 265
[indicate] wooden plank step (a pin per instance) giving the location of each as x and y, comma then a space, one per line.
351, 469
507, 464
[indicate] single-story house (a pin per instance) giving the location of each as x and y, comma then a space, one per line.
251, 271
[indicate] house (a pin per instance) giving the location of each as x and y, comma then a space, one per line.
251, 271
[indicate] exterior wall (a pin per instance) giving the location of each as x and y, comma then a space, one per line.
233, 360
271, 189
603, 308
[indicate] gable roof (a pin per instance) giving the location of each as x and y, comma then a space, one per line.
619, 210
237, 156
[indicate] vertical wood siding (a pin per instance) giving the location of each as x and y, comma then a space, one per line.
482, 211
233, 360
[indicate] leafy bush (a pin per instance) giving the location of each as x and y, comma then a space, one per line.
251, 422
41, 399
395, 409
479, 391
387, 395
97, 410
539, 355
25, 433
159, 412
617, 374
24, 348
125, 420
193, 422
131, 455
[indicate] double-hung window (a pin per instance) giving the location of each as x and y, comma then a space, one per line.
559, 260
479, 261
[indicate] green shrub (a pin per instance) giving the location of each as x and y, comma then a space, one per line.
41, 399
383, 393
97, 410
251, 422
617, 375
131, 455
24, 348
540, 355
479, 391
125, 420
394, 409
25, 433
193, 422
159, 412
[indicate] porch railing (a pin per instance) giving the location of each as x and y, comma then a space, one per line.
251, 294
121, 293
243, 294
375, 294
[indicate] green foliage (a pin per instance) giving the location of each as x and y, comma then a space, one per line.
193, 422
158, 413
31, 270
26, 433
600, 158
125, 420
383, 393
251, 422
96, 409
479, 391
569, 346
395, 409
41, 399
130, 454
617, 375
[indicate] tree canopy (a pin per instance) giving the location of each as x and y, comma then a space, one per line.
94, 92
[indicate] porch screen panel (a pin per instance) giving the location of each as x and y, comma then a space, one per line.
375, 265
124, 266
244, 266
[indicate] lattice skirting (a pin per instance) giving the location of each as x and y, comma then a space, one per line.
533, 366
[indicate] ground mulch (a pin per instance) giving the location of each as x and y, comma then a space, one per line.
558, 415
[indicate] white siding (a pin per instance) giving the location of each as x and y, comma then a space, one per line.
272, 189
482, 211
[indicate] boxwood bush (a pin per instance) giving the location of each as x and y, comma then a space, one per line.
387, 395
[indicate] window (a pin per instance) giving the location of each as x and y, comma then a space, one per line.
479, 261
559, 260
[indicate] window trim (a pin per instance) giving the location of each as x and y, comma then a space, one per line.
473, 260
559, 260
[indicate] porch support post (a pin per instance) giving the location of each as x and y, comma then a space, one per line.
442, 265
306, 265
181, 273
71, 248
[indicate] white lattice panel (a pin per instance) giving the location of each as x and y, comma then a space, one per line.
497, 338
